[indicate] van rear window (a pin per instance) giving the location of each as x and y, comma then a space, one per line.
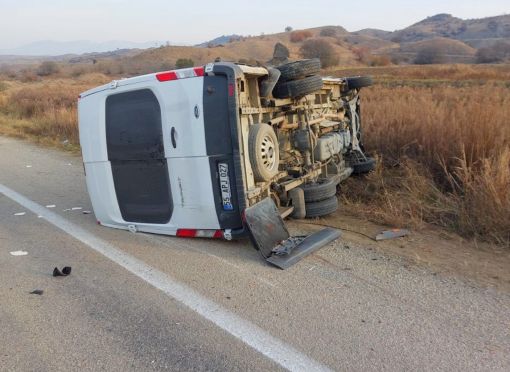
133, 126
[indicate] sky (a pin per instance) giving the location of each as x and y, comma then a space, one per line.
191, 22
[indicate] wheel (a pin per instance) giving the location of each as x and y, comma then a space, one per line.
321, 208
298, 88
263, 151
297, 197
324, 188
357, 82
363, 167
268, 83
299, 69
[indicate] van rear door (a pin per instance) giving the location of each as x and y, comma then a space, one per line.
134, 136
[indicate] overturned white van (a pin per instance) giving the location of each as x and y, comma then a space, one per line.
207, 151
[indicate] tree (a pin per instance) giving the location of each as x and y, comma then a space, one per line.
288, 29
322, 49
362, 54
493, 54
184, 62
429, 55
47, 68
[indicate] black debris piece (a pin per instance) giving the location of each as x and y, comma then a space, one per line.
65, 271
37, 292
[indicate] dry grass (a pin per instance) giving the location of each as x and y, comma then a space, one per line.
445, 154
45, 111
457, 74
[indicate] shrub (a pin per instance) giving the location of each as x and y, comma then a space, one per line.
429, 55
362, 54
184, 62
378, 61
328, 32
319, 48
299, 36
288, 29
498, 52
47, 68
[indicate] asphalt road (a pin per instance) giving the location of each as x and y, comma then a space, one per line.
345, 308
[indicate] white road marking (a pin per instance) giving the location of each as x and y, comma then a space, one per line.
249, 333
18, 253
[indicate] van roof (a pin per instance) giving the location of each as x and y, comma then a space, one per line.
117, 83
175, 74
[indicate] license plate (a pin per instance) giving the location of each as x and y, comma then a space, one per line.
226, 195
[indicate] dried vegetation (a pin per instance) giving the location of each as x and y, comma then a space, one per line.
444, 150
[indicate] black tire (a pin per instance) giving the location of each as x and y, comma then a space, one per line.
357, 82
297, 197
363, 167
298, 88
299, 69
268, 83
323, 189
321, 208
263, 151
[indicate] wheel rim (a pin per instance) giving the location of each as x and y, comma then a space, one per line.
268, 152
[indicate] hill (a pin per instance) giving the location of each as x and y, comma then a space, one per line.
256, 49
221, 40
56, 48
372, 32
440, 38
440, 50
474, 32
455, 40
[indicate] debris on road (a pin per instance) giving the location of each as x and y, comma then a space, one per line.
76, 208
18, 253
51, 206
86, 212
20, 214
65, 271
28, 166
392, 234
37, 292
66, 210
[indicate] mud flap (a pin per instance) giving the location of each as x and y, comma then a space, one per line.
270, 236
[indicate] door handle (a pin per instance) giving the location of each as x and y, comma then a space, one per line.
173, 137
